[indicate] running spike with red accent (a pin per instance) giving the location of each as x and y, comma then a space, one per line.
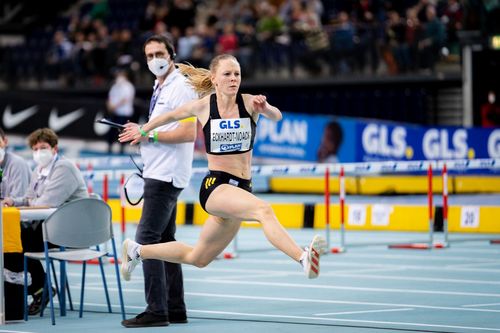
312, 255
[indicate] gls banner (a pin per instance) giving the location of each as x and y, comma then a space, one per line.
388, 141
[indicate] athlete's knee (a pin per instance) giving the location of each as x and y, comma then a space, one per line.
264, 211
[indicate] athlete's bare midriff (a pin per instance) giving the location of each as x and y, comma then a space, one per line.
238, 165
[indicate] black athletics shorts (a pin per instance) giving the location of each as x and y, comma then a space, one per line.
216, 178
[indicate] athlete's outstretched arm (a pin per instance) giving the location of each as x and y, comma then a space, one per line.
258, 104
132, 132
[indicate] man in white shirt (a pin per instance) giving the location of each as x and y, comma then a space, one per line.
167, 154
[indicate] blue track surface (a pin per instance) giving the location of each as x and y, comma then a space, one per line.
370, 288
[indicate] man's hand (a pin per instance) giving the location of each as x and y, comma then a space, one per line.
131, 134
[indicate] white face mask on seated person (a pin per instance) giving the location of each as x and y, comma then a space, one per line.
158, 66
43, 157
2, 154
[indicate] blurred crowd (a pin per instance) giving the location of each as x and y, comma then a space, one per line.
271, 38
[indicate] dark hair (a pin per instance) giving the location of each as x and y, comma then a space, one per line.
2, 133
43, 135
162, 40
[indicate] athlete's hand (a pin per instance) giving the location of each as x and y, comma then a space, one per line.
130, 133
259, 103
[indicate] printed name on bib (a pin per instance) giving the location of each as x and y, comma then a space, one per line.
230, 135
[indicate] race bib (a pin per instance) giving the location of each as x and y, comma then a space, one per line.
228, 135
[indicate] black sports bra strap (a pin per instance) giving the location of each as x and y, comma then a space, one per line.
241, 107
214, 110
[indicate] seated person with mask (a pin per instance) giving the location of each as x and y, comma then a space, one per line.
54, 181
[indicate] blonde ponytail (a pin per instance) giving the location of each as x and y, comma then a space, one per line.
199, 78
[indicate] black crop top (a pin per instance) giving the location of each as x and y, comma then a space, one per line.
229, 136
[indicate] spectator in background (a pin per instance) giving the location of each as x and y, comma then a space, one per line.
228, 40
343, 41
434, 37
490, 111
330, 143
59, 62
270, 30
54, 181
186, 45
120, 104
14, 171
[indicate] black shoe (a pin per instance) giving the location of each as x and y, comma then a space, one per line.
177, 317
36, 306
146, 319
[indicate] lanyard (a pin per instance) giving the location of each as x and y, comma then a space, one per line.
154, 98
41, 179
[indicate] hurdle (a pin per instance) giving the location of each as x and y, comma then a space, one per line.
378, 167
430, 244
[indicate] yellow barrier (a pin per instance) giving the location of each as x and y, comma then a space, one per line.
290, 215
310, 185
133, 213
372, 185
375, 217
480, 219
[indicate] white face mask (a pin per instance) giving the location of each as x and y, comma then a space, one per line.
42, 157
158, 66
491, 98
2, 154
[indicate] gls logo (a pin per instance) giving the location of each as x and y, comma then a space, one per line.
494, 144
228, 124
380, 140
436, 144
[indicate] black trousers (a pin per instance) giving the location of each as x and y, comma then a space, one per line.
32, 240
163, 281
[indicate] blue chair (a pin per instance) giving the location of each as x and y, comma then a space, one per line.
78, 228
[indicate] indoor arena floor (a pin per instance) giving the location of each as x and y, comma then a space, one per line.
369, 288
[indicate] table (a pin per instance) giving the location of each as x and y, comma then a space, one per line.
22, 214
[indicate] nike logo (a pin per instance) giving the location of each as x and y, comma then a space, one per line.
11, 120
58, 123
100, 129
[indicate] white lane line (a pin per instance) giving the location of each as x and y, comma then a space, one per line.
479, 305
309, 300
327, 301
427, 257
357, 321
251, 276
111, 278
479, 264
8, 331
343, 288
335, 266
424, 279
315, 319
365, 311
329, 287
